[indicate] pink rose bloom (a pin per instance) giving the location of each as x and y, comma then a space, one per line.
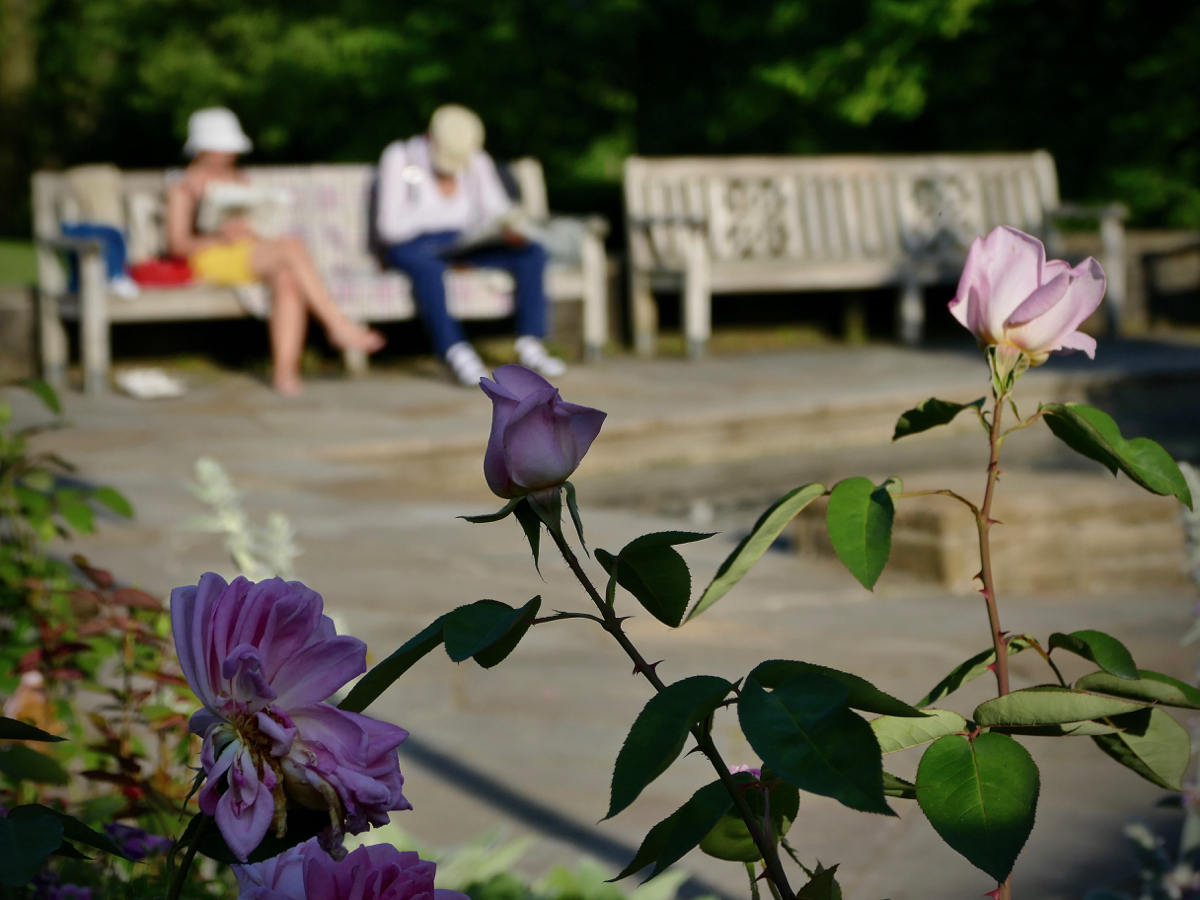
307, 872
262, 658
1011, 297
537, 439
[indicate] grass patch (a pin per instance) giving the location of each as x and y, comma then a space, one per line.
18, 264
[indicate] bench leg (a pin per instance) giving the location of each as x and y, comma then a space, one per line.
53, 339
645, 315
1112, 235
595, 296
93, 322
697, 295
910, 314
355, 362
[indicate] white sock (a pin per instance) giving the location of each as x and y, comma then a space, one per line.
466, 365
533, 354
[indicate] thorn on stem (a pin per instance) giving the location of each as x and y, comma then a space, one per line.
650, 667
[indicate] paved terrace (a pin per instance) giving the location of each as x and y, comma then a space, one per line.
373, 473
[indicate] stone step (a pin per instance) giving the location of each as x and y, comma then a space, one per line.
1061, 533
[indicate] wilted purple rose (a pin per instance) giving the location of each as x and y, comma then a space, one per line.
306, 872
262, 658
137, 843
1011, 297
537, 439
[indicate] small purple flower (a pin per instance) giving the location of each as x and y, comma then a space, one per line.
48, 886
307, 872
135, 842
537, 439
262, 658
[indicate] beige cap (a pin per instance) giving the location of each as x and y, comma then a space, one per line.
455, 135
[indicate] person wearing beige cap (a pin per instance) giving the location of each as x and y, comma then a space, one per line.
438, 192
207, 225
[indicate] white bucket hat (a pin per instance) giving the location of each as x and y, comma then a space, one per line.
216, 129
455, 135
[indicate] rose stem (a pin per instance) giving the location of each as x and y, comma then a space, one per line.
703, 740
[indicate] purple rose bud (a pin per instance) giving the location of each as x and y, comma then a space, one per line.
537, 439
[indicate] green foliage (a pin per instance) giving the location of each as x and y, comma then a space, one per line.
73, 829
20, 763
806, 734
861, 694
1049, 705
12, 730
970, 670
822, 886
751, 548
1151, 687
652, 570
859, 520
486, 630
1094, 434
896, 733
1152, 744
24, 847
730, 839
1105, 651
684, 829
930, 414
659, 733
980, 796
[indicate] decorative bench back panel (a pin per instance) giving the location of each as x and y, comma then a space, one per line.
824, 209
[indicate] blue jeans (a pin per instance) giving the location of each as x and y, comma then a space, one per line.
419, 260
111, 239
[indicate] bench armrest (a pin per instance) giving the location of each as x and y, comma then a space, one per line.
1118, 211
77, 245
647, 222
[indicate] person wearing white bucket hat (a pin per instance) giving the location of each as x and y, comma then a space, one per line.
440, 199
227, 251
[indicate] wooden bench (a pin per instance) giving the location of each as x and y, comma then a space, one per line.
721, 225
329, 209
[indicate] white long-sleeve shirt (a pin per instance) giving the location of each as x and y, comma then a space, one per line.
410, 203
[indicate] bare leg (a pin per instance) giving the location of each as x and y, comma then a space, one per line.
289, 320
291, 255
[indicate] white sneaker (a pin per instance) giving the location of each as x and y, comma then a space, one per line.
532, 354
124, 287
466, 365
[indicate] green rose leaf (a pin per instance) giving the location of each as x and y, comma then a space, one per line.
16, 730
653, 571
24, 847
684, 829
21, 763
531, 524
502, 513
573, 509
1050, 705
862, 694
44, 392
114, 500
859, 519
73, 829
822, 886
1096, 646
970, 670
77, 513
980, 796
768, 527
1090, 728
659, 733
930, 414
730, 838
385, 674
1151, 687
896, 733
486, 630
894, 786
1094, 434
806, 734
1152, 744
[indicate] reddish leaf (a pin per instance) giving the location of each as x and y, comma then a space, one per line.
99, 577
136, 599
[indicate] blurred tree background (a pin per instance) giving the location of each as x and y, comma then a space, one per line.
1109, 86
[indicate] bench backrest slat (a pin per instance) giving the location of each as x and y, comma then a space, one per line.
828, 209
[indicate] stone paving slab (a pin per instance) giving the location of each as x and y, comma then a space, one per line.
384, 547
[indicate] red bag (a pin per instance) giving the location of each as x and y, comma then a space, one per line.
171, 271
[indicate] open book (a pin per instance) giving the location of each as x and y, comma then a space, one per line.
492, 236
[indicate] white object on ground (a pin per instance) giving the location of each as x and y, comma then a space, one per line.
466, 365
532, 354
150, 384
124, 287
